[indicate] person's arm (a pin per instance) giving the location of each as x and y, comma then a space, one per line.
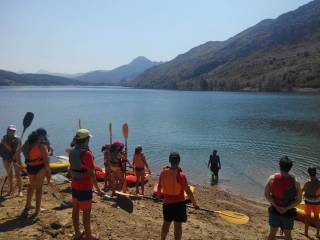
298, 197
219, 163
145, 162
45, 157
159, 187
267, 193
91, 173
191, 197
209, 162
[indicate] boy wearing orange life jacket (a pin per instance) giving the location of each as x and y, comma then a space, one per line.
83, 179
311, 190
36, 158
139, 164
173, 183
284, 193
9, 146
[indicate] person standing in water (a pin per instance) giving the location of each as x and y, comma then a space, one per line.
311, 190
283, 192
214, 165
9, 146
173, 183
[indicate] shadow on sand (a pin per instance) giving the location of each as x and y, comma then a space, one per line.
16, 223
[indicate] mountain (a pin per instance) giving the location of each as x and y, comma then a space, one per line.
67, 75
13, 79
120, 74
275, 54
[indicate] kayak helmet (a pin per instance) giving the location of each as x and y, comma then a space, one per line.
285, 164
82, 133
312, 171
12, 127
41, 132
174, 158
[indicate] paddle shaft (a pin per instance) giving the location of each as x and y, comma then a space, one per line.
110, 133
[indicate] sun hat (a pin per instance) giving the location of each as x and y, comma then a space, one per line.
82, 133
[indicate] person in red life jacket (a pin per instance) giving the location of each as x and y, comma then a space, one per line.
107, 167
284, 193
82, 168
10, 155
115, 161
173, 183
139, 165
311, 190
36, 159
214, 165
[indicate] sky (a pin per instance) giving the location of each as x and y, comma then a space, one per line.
72, 36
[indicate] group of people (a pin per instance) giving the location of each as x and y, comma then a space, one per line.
115, 162
284, 193
282, 189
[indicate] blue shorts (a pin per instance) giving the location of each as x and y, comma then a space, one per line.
276, 220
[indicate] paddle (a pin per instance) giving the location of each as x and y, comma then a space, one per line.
110, 133
79, 123
229, 216
27, 120
125, 133
123, 202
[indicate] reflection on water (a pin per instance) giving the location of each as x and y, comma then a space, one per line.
251, 131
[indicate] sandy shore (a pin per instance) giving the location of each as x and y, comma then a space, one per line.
145, 221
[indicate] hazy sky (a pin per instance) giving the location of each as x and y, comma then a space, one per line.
82, 35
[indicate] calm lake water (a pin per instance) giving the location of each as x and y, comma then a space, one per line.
251, 131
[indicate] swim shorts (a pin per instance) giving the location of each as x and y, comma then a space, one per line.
176, 212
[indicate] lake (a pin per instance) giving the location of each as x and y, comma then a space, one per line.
251, 131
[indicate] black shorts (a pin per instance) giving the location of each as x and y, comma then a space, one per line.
33, 170
176, 212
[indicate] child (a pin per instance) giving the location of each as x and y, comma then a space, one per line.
139, 163
311, 195
83, 179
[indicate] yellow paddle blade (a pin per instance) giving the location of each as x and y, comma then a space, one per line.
233, 217
125, 130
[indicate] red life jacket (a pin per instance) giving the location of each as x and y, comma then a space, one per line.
283, 189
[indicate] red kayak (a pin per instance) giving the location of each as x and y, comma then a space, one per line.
100, 174
131, 178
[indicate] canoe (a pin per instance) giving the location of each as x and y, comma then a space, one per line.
131, 178
301, 214
59, 166
155, 190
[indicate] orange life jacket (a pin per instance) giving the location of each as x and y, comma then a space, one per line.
169, 182
138, 160
35, 156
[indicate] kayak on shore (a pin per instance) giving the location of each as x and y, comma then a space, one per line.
301, 215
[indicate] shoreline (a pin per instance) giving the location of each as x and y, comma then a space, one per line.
146, 219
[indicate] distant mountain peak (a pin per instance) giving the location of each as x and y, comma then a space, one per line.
140, 59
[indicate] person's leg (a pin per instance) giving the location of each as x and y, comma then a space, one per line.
8, 166
17, 172
137, 182
287, 234
272, 233
75, 220
177, 230
316, 210
217, 176
142, 183
306, 224
165, 229
86, 223
30, 191
307, 210
39, 184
